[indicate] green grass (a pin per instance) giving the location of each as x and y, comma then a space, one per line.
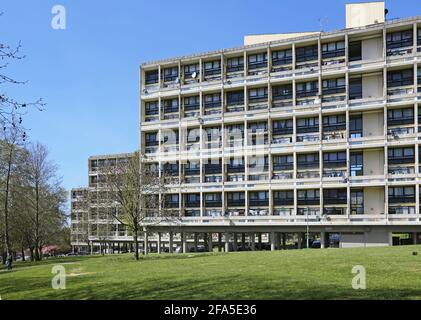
392, 273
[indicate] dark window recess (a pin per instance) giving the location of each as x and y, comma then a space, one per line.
419, 37
334, 159
151, 108
356, 126
400, 116
170, 105
333, 86
235, 165
259, 162
171, 169
356, 164
401, 194
212, 168
170, 74
354, 51
236, 199
334, 123
357, 202
171, 201
308, 125
212, 100
308, 197
284, 162
235, 64
281, 57
213, 200
355, 88
399, 39
259, 198
191, 103
282, 92
151, 139
192, 168
401, 155
308, 53
191, 69
400, 78
333, 49
284, 197
334, 196
258, 95
212, 68
192, 200
151, 77
256, 61
307, 89
308, 161
235, 98
284, 126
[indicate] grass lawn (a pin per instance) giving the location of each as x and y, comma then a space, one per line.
392, 273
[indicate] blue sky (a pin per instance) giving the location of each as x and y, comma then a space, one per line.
88, 73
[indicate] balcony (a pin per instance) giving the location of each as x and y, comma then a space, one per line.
308, 138
259, 212
334, 173
283, 201
335, 200
213, 168
334, 211
283, 166
400, 121
402, 199
307, 93
308, 211
402, 210
281, 140
213, 107
333, 136
236, 203
213, 179
283, 211
282, 176
213, 203
396, 132
235, 168
192, 204
401, 170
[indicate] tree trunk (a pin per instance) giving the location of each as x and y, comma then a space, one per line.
23, 254
31, 250
6, 202
136, 243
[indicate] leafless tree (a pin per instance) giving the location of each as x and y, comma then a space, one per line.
139, 193
12, 110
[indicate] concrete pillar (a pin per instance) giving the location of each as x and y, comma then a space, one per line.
322, 239
227, 242
219, 241
272, 241
196, 241
184, 242
252, 240
158, 244
171, 240
235, 247
284, 240
260, 241
243, 240
145, 242
415, 238
92, 247
299, 240
210, 244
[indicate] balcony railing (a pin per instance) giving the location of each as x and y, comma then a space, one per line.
283, 201
236, 203
308, 211
402, 210
283, 211
400, 131
334, 211
403, 199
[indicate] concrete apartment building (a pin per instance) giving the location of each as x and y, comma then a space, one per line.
290, 134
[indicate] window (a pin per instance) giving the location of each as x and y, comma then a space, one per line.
236, 198
235, 97
259, 163
151, 139
305, 125
235, 64
307, 89
213, 166
213, 199
281, 57
282, 92
334, 159
190, 69
401, 194
284, 162
259, 198
258, 127
401, 155
399, 39
356, 126
306, 53
170, 74
333, 49
334, 122
171, 200
192, 167
355, 88
212, 67
354, 51
191, 103
212, 100
256, 61
171, 168
192, 200
311, 196
400, 116
309, 160
151, 108
333, 86
170, 105
356, 163
235, 165
357, 202
151, 77
284, 126
284, 197
400, 78
258, 94
335, 196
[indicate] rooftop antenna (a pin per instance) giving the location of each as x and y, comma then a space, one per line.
322, 23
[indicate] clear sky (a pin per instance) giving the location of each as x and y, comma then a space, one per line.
88, 73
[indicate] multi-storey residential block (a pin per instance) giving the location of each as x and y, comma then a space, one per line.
312, 133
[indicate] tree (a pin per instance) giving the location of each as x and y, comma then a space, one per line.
12, 110
139, 193
45, 197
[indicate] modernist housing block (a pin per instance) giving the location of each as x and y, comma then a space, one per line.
291, 133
